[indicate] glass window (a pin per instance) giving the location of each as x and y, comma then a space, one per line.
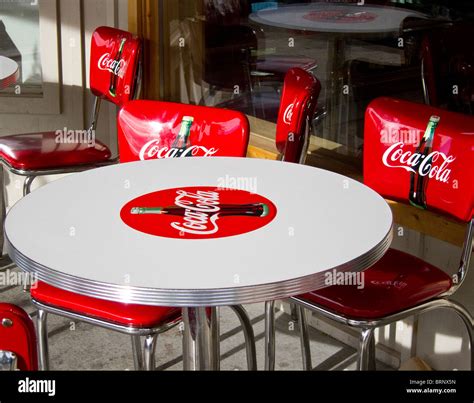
235, 53
19, 41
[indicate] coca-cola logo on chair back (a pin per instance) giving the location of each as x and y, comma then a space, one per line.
297, 106
421, 155
114, 64
155, 129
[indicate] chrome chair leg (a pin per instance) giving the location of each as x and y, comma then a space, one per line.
149, 352
366, 358
468, 321
42, 335
304, 338
293, 312
270, 335
27, 185
248, 335
137, 352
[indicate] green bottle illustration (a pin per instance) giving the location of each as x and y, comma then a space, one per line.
181, 142
114, 77
418, 182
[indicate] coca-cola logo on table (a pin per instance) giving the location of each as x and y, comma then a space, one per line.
107, 63
434, 165
340, 16
154, 149
200, 212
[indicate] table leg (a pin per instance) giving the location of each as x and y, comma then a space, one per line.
336, 59
201, 339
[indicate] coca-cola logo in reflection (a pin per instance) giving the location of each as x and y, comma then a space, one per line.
198, 212
340, 16
288, 114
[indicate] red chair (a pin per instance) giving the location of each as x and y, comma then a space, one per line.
389, 171
148, 129
296, 114
17, 339
56, 152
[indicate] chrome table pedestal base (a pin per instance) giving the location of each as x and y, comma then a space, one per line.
201, 339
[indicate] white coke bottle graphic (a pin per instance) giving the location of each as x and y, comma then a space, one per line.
197, 213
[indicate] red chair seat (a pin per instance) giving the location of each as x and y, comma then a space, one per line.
396, 282
40, 151
279, 65
133, 315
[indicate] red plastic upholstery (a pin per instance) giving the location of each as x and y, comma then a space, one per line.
297, 106
147, 129
19, 338
40, 151
133, 315
393, 129
109, 67
396, 282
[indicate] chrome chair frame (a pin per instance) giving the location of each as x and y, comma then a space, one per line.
145, 360
366, 350
8, 361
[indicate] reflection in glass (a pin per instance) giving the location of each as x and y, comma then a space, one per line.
19, 40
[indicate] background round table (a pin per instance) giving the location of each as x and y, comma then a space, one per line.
71, 235
327, 19
9, 72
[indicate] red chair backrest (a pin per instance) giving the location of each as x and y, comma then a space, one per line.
149, 129
17, 334
393, 130
297, 105
114, 64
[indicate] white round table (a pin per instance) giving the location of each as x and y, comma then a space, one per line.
81, 233
9, 72
337, 18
